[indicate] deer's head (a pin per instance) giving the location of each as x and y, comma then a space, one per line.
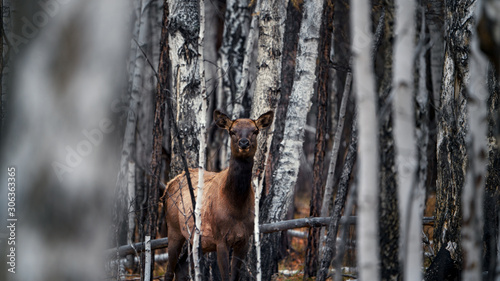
243, 132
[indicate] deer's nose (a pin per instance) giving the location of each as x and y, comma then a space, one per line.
244, 143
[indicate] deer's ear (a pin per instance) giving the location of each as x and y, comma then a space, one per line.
265, 120
222, 120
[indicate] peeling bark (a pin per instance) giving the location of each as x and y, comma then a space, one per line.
452, 126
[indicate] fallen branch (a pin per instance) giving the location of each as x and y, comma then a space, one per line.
264, 228
137, 247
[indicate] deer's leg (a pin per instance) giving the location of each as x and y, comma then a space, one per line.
239, 255
223, 260
182, 269
175, 242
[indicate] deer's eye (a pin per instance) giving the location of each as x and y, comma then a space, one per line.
256, 132
231, 133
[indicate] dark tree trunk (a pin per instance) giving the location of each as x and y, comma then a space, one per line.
452, 128
311, 265
389, 215
159, 117
491, 194
340, 201
341, 44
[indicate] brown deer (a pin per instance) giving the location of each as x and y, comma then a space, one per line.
227, 212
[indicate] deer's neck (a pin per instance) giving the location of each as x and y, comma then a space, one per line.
239, 176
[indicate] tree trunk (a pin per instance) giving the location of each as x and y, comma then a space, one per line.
235, 55
435, 18
389, 215
285, 176
330, 180
268, 81
288, 63
488, 31
157, 143
184, 27
63, 162
491, 194
410, 198
232, 53
328, 250
367, 224
201, 116
266, 95
452, 127
472, 196
322, 91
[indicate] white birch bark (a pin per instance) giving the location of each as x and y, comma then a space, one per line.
62, 175
268, 82
285, 175
130, 201
410, 199
477, 150
184, 27
147, 253
201, 118
256, 231
367, 245
266, 93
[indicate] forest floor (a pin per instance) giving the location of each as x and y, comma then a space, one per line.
291, 268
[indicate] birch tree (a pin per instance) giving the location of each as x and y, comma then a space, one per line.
410, 199
268, 80
285, 175
266, 94
183, 39
59, 140
201, 120
367, 222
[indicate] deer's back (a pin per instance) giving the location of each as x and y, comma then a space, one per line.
220, 220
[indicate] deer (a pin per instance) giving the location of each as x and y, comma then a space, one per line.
227, 211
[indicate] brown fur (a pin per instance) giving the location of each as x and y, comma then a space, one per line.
227, 212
